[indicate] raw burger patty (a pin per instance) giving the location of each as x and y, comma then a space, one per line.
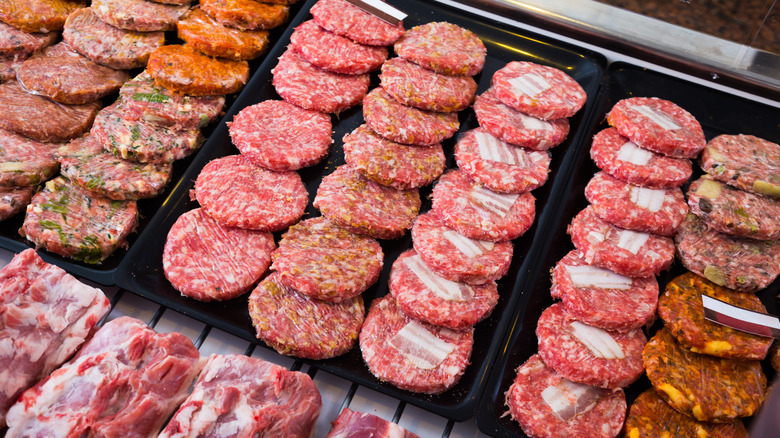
479, 213
208, 261
745, 162
37, 15
17, 44
602, 298
322, 260
443, 47
139, 15
500, 166
548, 405
411, 355
8, 68
25, 162
238, 193
421, 88
405, 124
333, 52
183, 69
296, 325
208, 36
624, 160
424, 296
538, 90
246, 14
454, 256
14, 200
299, 82
344, 18
281, 136
364, 207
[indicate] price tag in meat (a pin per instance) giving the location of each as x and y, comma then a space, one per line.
741, 319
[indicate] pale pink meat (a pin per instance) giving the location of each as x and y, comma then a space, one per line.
352, 424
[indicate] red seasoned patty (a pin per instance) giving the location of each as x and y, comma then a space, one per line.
443, 47
538, 90
213, 38
333, 52
8, 68
14, 200
343, 18
38, 15
419, 87
184, 69
746, 162
25, 162
246, 14
18, 44
139, 15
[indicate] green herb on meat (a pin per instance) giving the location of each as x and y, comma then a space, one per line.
151, 97
94, 182
89, 252
740, 211
55, 207
135, 133
50, 225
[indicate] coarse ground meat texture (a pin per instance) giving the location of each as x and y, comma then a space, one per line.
538, 90
140, 141
353, 424
479, 213
246, 14
602, 298
63, 75
296, 325
183, 69
498, 165
238, 193
746, 162
42, 119
9, 66
333, 52
708, 388
281, 136
144, 100
546, 405
38, 15
208, 261
108, 45
362, 206
139, 15
405, 124
658, 125
443, 47
624, 205
746, 265
343, 18
734, 211
115, 178
516, 127
66, 220
424, 296
392, 164
17, 44
681, 308
421, 88
208, 36
626, 252
454, 256
624, 160
174, 2
587, 354
299, 82
25, 162
412, 355
322, 260
14, 200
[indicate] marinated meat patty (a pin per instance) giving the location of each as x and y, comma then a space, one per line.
212, 38
443, 47
14, 200
421, 88
37, 15
25, 162
183, 69
538, 90
746, 162
333, 52
18, 44
9, 66
138, 15
343, 18
246, 14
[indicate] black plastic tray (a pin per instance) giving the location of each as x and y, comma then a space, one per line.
718, 113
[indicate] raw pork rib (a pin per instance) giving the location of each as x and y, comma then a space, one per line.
124, 382
45, 314
242, 397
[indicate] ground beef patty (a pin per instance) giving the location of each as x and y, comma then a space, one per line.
412, 355
17, 44
108, 45
443, 47
71, 222
14, 200
139, 15
362, 206
682, 310
208, 261
745, 265
8, 68
624, 160
246, 14
281, 136
548, 405
745, 162
333, 52
538, 90
705, 387
209, 36
38, 15
419, 87
344, 18
322, 260
296, 325
479, 213
25, 162
182, 68
238, 193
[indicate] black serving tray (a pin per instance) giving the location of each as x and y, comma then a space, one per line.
718, 113
141, 272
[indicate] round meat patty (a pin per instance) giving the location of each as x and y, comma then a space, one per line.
549, 406
343, 18
296, 325
498, 165
333, 52
238, 193
362, 206
626, 252
658, 125
602, 298
624, 160
392, 164
745, 265
538, 90
9, 66
424, 296
246, 14
182, 68
443, 47
25, 162
479, 213
322, 260
281, 136
17, 44
14, 200
299, 82
421, 88
454, 256
212, 38
139, 15
746, 162
411, 355
42, 16
207, 261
